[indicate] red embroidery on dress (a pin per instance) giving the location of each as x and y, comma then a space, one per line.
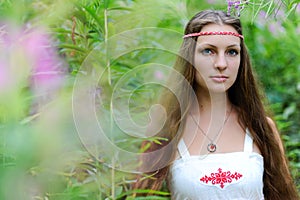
221, 178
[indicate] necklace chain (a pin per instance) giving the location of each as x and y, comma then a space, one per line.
212, 147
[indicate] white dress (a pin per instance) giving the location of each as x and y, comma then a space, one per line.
232, 176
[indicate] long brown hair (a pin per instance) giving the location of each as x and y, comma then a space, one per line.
247, 97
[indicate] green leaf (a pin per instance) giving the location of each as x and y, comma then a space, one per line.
106, 4
73, 47
120, 8
94, 15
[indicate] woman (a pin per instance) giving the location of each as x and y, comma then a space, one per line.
226, 146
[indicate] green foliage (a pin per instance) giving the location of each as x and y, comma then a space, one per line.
276, 59
41, 154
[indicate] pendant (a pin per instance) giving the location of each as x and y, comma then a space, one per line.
211, 147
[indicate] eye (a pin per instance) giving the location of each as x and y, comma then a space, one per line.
207, 51
232, 52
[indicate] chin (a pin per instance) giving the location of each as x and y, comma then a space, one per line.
218, 90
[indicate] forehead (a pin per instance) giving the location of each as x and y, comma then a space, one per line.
218, 40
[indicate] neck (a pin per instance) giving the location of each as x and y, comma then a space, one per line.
213, 105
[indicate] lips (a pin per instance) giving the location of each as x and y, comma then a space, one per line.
219, 78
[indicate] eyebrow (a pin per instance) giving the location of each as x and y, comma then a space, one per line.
233, 45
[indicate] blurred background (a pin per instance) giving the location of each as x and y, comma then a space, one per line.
46, 47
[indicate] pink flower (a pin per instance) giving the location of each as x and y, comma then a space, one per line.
47, 67
237, 5
29, 55
261, 21
276, 28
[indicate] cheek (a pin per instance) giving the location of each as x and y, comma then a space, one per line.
234, 65
201, 70
200, 73
234, 71
203, 66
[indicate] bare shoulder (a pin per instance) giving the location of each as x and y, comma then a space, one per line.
272, 124
275, 132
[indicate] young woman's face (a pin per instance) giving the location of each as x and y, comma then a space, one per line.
217, 59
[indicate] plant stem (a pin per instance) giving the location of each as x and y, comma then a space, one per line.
111, 105
106, 45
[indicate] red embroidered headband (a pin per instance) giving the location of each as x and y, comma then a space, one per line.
214, 33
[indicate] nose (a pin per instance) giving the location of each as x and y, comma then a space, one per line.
221, 62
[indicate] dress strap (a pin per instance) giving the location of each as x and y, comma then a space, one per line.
183, 150
248, 144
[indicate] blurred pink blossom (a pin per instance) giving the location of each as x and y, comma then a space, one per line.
47, 67
274, 25
298, 8
280, 14
276, 28
159, 75
30, 56
261, 19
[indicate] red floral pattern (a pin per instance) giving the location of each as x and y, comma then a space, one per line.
221, 178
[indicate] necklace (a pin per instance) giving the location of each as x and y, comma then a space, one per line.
212, 146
